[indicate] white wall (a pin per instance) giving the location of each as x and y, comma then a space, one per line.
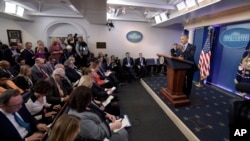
155, 40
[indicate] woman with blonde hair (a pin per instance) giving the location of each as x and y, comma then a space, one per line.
66, 128
23, 79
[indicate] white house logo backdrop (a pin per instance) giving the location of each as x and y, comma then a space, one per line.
235, 38
134, 36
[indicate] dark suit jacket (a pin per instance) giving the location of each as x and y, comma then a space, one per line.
138, 62
7, 55
125, 62
173, 52
28, 56
36, 74
21, 82
8, 132
47, 68
188, 55
15, 69
53, 96
99, 93
72, 74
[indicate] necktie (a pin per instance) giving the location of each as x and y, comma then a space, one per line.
45, 75
141, 61
22, 123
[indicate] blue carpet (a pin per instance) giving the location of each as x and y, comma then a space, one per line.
206, 116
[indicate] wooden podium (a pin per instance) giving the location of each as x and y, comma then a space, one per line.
176, 72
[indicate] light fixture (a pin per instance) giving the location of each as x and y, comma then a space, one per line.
19, 11
157, 19
123, 11
190, 3
163, 16
10, 8
73, 8
199, 1
181, 5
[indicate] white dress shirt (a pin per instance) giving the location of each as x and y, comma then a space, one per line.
21, 130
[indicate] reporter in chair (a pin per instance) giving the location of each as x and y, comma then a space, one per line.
16, 122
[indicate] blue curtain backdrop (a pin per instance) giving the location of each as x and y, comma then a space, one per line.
200, 36
224, 60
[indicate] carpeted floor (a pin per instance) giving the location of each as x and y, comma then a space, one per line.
207, 115
149, 122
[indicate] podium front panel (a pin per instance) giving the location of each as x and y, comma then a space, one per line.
178, 64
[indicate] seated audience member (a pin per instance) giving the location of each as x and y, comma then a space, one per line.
91, 58
49, 66
71, 72
66, 128
37, 104
115, 66
66, 83
57, 95
41, 51
16, 68
93, 124
10, 54
7, 83
5, 67
28, 54
105, 83
140, 65
37, 70
74, 61
104, 72
16, 122
23, 79
99, 95
128, 66
67, 52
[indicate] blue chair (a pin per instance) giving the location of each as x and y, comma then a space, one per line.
150, 61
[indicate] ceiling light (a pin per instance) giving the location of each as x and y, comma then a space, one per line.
73, 8
20, 11
190, 3
163, 16
181, 5
123, 11
157, 19
199, 1
10, 8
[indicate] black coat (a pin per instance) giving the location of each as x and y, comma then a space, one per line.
8, 132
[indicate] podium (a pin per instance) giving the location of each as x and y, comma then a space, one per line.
176, 72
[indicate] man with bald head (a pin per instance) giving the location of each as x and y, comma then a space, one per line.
187, 53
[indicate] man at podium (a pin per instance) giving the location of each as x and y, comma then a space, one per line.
187, 53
